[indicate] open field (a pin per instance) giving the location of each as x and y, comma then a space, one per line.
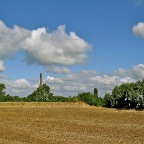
68, 123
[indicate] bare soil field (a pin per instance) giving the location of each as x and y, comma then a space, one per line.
69, 123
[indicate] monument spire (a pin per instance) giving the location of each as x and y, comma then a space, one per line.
40, 80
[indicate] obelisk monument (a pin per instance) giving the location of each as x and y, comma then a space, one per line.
40, 80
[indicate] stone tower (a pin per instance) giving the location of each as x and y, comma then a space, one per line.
40, 80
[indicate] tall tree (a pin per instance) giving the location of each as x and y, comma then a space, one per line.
2, 87
96, 91
2, 93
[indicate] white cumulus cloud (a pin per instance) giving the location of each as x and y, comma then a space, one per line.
55, 48
51, 79
58, 69
21, 83
19, 87
137, 72
2, 67
10, 39
138, 29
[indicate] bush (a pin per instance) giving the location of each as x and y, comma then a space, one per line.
90, 99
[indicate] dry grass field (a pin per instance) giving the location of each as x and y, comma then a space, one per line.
69, 123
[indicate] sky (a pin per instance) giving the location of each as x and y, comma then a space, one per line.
77, 45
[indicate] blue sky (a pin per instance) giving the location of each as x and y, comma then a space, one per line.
77, 44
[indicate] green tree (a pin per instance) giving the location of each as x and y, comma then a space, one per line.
41, 94
2, 88
96, 91
2, 92
107, 100
130, 95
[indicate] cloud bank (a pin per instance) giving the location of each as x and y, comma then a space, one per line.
72, 83
46, 48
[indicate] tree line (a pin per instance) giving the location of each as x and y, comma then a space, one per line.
125, 96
